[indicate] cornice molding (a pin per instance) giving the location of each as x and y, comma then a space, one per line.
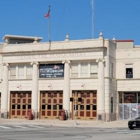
89, 49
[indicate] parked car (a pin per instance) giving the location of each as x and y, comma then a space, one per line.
134, 123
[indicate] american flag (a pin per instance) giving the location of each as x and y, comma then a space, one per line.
47, 15
56, 67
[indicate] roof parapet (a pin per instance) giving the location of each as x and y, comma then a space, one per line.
15, 39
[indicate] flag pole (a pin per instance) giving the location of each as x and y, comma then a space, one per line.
49, 25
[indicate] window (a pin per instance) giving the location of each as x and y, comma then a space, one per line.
94, 107
74, 70
129, 71
87, 107
93, 69
13, 72
120, 97
21, 72
84, 69
111, 104
138, 97
29, 72
130, 97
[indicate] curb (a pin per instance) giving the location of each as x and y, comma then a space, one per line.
69, 123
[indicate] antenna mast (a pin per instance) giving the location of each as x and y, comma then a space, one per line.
92, 7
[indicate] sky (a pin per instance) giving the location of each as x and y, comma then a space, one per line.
119, 18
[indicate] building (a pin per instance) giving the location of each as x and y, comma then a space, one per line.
128, 79
90, 79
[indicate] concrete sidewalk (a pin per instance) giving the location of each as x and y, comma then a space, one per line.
67, 123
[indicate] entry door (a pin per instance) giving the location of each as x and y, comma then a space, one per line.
85, 105
20, 102
51, 103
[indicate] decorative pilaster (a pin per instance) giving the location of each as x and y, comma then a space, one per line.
107, 90
4, 95
66, 91
35, 89
101, 91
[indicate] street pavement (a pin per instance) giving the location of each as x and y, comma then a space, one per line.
67, 123
20, 129
44, 132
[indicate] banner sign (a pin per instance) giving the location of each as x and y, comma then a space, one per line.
51, 70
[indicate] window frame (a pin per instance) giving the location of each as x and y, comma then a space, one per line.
84, 69
129, 72
93, 73
17, 74
21, 71
28, 74
74, 73
12, 76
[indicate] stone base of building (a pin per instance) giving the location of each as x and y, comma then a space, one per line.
4, 115
113, 116
110, 117
69, 115
101, 117
107, 117
35, 115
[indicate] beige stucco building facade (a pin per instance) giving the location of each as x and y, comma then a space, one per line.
89, 78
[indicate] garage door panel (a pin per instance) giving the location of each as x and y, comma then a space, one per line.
51, 104
85, 102
20, 102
